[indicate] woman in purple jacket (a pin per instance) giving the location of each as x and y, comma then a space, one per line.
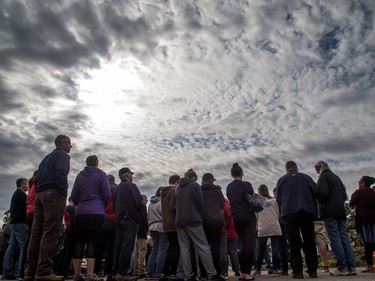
91, 193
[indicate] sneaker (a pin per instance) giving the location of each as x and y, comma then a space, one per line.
352, 271
325, 269
51, 277
78, 277
313, 275
298, 275
338, 272
163, 277
175, 278
274, 273
368, 269
119, 277
93, 277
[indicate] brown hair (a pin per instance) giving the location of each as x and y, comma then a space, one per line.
236, 170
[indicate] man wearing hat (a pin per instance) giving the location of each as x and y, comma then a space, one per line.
212, 216
189, 205
127, 205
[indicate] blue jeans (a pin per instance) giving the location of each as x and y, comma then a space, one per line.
18, 236
159, 251
124, 246
340, 243
275, 241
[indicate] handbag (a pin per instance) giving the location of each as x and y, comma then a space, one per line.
255, 202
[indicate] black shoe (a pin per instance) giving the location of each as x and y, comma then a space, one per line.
298, 275
313, 275
215, 278
163, 277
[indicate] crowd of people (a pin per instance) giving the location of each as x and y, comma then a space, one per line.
188, 231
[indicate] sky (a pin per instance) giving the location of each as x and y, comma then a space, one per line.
165, 86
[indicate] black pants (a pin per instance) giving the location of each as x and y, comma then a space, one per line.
245, 226
173, 255
297, 224
213, 236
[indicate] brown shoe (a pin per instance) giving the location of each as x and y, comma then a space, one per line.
51, 277
369, 268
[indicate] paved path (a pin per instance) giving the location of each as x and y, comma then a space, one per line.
321, 276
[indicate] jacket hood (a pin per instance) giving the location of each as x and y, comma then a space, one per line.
90, 170
184, 181
154, 199
210, 187
269, 202
165, 190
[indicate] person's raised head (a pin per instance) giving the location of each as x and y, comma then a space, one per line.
21, 181
63, 142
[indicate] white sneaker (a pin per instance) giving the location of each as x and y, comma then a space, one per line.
344, 272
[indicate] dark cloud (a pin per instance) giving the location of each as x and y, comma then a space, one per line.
187, 84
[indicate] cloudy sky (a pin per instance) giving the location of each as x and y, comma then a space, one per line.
164, 86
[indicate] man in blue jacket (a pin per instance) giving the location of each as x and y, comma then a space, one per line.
50, 199
296, 194
127, 204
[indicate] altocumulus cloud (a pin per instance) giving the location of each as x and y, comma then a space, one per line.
164, 86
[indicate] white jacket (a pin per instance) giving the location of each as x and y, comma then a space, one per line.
268, 219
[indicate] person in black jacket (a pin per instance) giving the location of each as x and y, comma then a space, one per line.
331, 196
213, 219
141, 244
19, 232
189, 205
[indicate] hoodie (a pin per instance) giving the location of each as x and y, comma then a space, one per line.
268, 219
154, 215
168, 206
91, 191
213, 205
189, 203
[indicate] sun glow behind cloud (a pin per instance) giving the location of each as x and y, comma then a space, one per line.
109, 93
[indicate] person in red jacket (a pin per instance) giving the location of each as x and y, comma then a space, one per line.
106, 245
229, 243
30, 200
